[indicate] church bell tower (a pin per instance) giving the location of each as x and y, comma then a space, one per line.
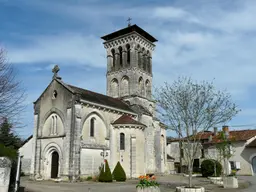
129, 64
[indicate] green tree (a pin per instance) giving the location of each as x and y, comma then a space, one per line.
105, 176
210, 167
9, 145
7, 137
119, 173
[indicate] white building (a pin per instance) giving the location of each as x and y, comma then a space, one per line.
243, 150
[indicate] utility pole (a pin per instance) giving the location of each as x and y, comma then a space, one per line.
180, 146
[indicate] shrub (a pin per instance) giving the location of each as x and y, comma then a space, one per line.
118, 173
105, 176
89, 178
207, 168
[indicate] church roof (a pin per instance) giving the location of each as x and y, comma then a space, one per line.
126, 119
140, 109
129, 29
100, 98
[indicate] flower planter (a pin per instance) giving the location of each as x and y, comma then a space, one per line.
148, 189
187, 189
216, 180
230, 182
193, 175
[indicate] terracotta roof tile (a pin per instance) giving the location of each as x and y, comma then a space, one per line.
238, 135
125, 119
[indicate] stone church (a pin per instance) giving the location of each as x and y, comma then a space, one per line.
76, 129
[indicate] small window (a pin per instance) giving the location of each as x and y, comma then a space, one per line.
232, 165
181, 153
128, 53
92, 124
202, 153
122, 141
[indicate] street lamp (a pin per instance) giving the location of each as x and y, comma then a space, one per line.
104, 154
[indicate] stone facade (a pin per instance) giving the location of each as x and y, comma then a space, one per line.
76, 129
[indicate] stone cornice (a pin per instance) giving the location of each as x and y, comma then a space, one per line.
93, 146
129, 126
51, 136
129, 38
106, 108
131, 69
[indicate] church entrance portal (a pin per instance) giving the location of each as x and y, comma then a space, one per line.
55, 165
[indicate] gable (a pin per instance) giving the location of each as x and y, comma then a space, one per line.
54, 81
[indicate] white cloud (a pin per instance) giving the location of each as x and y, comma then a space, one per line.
204, 42
60, 49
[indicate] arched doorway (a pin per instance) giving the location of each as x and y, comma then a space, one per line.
254, 164
55, 165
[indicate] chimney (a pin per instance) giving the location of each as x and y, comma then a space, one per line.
210, 138
215, 131
225, 129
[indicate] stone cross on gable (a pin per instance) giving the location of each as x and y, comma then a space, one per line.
55, 71
129, 21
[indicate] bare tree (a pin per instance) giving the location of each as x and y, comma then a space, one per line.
12, 96
190, 108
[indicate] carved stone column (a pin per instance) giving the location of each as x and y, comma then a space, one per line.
124, 54
109, 62
150, 65
140, 60
117, 62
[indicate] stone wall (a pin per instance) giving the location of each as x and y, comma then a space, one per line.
5, 170
91, 160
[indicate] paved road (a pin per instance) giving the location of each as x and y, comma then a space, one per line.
129, 186
252, 180
48, 186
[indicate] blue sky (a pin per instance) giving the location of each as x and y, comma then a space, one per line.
203, 39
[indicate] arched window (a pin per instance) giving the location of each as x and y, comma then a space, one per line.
122, 141
124, 86
139, 56
52, 127
143, 59
114, 59
148, 62
148, 89
141, 86
114, 88
120, 56
128, 54
144, 62
92, 125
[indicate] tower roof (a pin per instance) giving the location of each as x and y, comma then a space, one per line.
129, 29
